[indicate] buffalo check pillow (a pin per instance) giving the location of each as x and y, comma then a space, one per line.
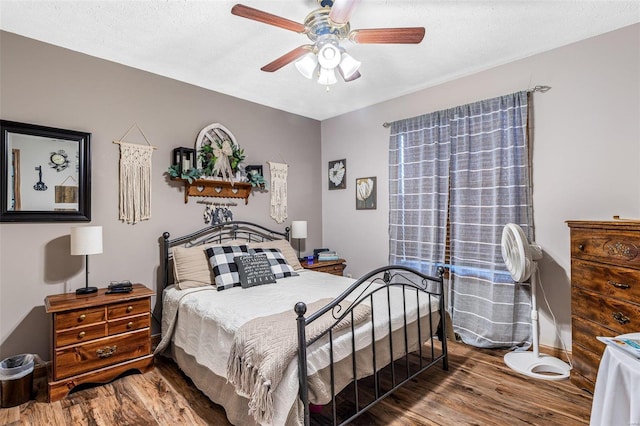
225, 270
279, 265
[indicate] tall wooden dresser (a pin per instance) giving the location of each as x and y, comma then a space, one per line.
605, 290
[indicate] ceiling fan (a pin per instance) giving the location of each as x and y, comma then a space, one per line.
325, 27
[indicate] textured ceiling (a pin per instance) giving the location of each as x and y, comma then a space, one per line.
202, 43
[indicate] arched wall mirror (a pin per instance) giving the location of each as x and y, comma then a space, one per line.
46, 174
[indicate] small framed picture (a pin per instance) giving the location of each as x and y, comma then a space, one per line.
366, 197
253, 170
338, 174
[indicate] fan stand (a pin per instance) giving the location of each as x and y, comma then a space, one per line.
534, 364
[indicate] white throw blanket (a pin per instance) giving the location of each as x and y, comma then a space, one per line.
263, 348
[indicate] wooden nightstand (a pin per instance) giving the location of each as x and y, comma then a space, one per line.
335, 267
97, 337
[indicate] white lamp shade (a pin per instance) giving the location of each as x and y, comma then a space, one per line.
299, 229
86, 240
327, 77
349, 65
307, 65
329, 56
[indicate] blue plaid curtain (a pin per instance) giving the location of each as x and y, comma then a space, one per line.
467, 166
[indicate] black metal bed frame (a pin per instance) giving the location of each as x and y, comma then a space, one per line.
380, 280
217, 233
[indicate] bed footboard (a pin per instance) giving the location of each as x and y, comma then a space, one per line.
399, 330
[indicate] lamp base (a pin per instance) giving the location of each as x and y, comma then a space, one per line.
87, 290
545, 367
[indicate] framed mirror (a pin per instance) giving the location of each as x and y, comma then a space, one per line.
46, 174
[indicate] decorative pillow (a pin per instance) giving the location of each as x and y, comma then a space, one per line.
224, 268
254, 269
285, 248
279, 265
191, 266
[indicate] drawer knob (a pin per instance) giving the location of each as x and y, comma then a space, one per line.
581, 247
621, 318
82, 334
129, 308
107, 351
82, 317
619, 285
130, 324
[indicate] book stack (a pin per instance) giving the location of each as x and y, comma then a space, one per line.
324, 256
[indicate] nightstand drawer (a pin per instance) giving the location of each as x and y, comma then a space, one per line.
78, 317
90, 356
133, 307
128, 324
331, 268
80, 334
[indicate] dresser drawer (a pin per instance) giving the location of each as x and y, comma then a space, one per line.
609, 246
80, 334
615, 281
584, 333
618, 315
78, 359
125, 309
128, 324
586, 364
78, 317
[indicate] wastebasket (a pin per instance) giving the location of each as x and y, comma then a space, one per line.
16, 375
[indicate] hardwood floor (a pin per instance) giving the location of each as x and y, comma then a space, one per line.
478, 389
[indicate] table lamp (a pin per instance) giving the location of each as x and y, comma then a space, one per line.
86, 240
299, 231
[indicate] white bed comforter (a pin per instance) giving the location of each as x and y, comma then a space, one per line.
203, 321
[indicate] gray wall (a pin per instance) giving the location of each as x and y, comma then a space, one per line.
586, 163
47, 85
586, 158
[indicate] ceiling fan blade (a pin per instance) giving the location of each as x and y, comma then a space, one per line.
356, 75
410, 35
267, 18
341, 10
287, 58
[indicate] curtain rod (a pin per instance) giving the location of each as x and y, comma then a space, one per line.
541, 89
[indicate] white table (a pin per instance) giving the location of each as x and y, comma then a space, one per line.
616, 400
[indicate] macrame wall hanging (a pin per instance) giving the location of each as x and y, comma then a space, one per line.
279, 173
135, 179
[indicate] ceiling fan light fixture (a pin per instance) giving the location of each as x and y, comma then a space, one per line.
307, 65
327, 76
329, 56
349, 65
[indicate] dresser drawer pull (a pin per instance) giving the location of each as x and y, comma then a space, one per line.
130, 324
619, 285
106, 352
82, 317
581, 247
620, 317
82, 334
129, 308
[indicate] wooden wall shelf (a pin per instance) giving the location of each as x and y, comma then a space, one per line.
216, 188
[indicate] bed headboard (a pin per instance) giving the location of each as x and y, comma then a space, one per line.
233, 230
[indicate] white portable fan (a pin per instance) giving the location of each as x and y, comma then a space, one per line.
520, 259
